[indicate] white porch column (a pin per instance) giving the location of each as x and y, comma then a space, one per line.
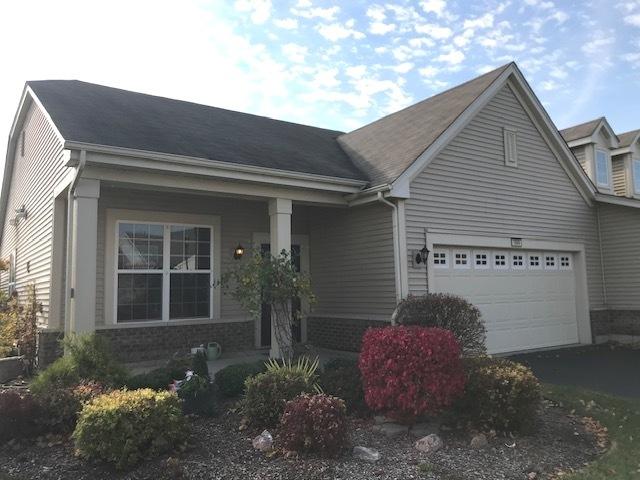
84, 256
280, 232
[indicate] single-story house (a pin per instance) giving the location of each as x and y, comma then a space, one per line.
124, 209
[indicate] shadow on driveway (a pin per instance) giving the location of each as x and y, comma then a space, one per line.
605, 368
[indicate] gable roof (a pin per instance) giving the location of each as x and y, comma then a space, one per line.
385, 148
583, 130
93, 114
627, 138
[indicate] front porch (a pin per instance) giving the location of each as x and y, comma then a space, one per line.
159, 252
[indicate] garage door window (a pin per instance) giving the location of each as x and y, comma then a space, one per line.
481, 260
461, 260
500, 261
440, 259
518, 261
565, 262
550, 262
534, 262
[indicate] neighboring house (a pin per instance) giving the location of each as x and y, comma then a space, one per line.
125, 208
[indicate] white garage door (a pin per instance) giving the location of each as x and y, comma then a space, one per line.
527, 299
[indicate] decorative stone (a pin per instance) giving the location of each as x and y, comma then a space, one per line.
429, 444
263, 442
392, 430
423, 429
366, 454
479, 441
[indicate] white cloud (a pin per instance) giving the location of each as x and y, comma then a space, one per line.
558, 72
429, 71
403, 68
633, 20
259, 10
454, 57
421, 42
560, 16
327, 14
337, 31
434, 31
434, 6
295, 53
549, 85
286, 23
381, 28
599, 43
376, 12
464, 38
484, 21
631, 57
356, 71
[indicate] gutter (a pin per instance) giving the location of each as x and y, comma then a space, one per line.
396, 243
69, 254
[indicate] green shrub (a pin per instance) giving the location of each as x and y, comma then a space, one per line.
266, 395
230, 380
500, 395
341, 378
87, 357
446, 311
199, 365
197, 395
62, 373
18, 414
160, 378
123, 427
93, 359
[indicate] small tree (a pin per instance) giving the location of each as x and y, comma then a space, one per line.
266, 279
18, 326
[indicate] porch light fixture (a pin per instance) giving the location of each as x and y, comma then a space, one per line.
423, 255
238, 252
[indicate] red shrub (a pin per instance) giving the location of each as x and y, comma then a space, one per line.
18, 414
314, 423
410, 371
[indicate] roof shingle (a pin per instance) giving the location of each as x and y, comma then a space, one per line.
580, 131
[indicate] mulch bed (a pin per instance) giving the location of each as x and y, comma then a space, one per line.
219, 450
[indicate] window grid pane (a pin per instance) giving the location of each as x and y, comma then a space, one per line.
139, 297
190, 295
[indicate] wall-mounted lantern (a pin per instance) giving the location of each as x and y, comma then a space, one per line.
422, 255
238, 252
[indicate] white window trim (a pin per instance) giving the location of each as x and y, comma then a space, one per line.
489, 260
570, 257
555, 261
447, 259
540, 261
524, 258
506, 260
635, 179
461, 252
608, 166
139, 216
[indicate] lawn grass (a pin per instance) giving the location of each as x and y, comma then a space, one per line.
621, 416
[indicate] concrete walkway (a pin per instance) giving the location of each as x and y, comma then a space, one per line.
614, 370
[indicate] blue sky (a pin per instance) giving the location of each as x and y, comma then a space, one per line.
331, 64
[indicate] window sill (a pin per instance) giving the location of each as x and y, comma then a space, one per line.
170, 323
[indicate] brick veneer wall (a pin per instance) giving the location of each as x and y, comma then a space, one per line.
615, 322
339, 333
154, 343
48, 346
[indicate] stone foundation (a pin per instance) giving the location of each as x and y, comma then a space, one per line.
136, 344
615, 325
339, 333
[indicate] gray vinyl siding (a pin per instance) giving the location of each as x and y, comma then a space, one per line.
620, 228
352, 266
468, 190
581, 155
619, 176
33, 179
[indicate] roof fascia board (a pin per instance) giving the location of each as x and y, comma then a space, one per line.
404, 180
158, 181
107, 155
615, 200
621, 151
581, 141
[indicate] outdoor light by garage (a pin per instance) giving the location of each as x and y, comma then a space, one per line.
422, 256
238, 252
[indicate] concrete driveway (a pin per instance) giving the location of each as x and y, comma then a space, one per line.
614, 370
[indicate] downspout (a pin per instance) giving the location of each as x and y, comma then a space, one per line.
69, 253
396, 247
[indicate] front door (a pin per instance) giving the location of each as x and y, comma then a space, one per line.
296, 306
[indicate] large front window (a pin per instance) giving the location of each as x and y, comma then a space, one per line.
163, 271
602, 168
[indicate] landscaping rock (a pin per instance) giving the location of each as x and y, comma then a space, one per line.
366, 454
392, 430
429, 444
423, 429
479, 441
263, 442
